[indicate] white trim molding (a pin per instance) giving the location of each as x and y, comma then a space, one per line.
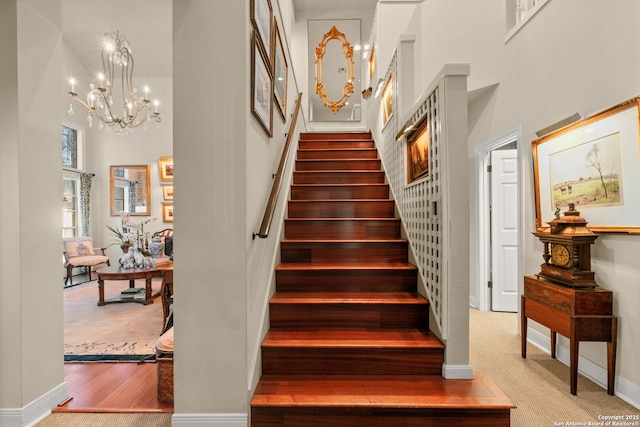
36, 410
624, 389
457, 372
209, 420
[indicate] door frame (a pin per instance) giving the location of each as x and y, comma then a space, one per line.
482, 299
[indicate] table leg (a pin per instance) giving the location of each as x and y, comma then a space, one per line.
100, 291
611, 356
523, 327
147, 298
132, 283
554, 338
574, 346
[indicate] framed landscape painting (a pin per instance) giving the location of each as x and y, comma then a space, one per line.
595, 164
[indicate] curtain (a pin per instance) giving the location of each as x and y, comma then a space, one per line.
85, 201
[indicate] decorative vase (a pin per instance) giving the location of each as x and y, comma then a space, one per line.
156, 247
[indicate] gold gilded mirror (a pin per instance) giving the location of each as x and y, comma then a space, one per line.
129, 185
347, 51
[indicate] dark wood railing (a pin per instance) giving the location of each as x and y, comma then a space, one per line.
275, 189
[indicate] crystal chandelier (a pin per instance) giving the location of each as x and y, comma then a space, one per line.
117, 62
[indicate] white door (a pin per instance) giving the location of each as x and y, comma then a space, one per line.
504, 230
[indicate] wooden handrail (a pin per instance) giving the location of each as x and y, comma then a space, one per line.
275, 189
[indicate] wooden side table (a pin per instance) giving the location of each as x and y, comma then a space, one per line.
578, 314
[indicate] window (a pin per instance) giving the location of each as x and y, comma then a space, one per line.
69, 147
70, 206
519, 12
71, 165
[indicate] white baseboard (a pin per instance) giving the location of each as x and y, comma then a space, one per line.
36, 410
209, 420
624, 389
457, 372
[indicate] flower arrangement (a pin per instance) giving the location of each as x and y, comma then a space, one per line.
131, 234
123, 238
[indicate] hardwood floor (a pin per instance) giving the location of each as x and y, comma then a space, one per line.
112, 387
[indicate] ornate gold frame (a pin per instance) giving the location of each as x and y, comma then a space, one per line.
348, 88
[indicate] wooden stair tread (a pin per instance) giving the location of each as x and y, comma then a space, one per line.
340, 185
339, 201
332, 338
316, 241
396, 391
291, 297
289, 266
359, 219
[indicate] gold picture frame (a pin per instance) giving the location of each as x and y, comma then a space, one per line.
387, 101
167, 192
347, 50
595, 164
165, 167
167, 212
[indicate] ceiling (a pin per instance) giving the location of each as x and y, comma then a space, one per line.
299, 5
147, 24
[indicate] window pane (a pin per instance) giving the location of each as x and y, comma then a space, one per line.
69, 148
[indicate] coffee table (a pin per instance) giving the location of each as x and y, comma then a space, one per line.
130, 274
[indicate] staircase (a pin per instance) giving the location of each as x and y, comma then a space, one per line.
349, 341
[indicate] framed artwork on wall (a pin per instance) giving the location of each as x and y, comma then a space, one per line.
387, 100
418, 152
261, 19
280, 73
165, 166
167, 192
167, 212
261, 87
595, 164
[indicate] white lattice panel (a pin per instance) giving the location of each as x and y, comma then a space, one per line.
419, 203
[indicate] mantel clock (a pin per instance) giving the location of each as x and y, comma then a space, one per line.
567, 250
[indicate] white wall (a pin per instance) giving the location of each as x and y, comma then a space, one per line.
31, 299
210, 153
573, 56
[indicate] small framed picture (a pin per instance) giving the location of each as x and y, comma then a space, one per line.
167, 212
165, 166
261, 18
387, 101
262, 88
280, 74
167, 192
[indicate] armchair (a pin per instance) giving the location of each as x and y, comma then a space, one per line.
79, 252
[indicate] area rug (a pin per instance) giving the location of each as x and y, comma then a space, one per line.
113, 332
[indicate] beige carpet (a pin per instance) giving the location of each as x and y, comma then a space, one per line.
112, 329
537, 385
106, 420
